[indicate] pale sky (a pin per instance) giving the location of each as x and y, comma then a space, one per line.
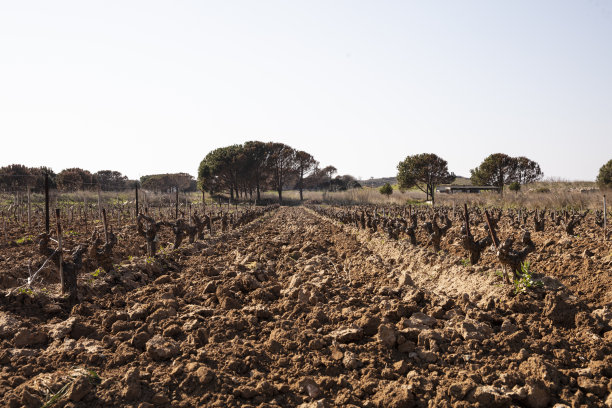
152, 86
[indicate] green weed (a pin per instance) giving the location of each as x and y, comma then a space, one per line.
24, 240
524, 281
26, 291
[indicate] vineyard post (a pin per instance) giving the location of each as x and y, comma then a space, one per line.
47, 202
605, 217
104, 224
467, 219
85, 214
60, 249
177, 204
99, 202
136, 199
17, 207
29, 210
4, 227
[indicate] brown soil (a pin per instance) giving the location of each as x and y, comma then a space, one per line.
297, 310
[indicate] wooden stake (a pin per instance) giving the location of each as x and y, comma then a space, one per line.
104, 223
467, 219
60, 249
99, 202
4, 227
605, 218
47, 202
136, 200
29, 210
177, 204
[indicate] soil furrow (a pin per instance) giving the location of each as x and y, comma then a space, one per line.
295, 310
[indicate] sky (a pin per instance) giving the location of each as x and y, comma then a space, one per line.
147, 87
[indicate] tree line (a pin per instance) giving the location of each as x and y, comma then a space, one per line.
17, 177
245, 170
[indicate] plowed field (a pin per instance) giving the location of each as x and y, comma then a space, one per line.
297, 310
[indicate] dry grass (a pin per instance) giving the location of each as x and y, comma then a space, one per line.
353, 197
553, 194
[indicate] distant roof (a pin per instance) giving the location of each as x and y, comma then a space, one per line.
466, 187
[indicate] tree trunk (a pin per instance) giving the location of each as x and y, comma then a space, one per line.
280, 195
432, 196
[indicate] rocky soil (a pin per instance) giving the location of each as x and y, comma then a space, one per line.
297, 310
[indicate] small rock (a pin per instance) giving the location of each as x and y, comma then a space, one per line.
351, 361
420, 321
488, 396
460, 390
322, 403
310, 387
204, 375
337, 354
79, 389
537, 395
139, 340
26, 337
8, 325
427, 356
160, 348
473, 330
387, 335
590, 385
246, 392
394, 396
405, 279
508, 327
163, 279
211, 287
63, 329
401, 367
132, 389
347, 335
369, 324
558, 310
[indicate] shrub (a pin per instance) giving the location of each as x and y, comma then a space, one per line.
514, 186
386, 189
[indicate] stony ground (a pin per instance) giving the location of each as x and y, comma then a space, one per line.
297, 310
